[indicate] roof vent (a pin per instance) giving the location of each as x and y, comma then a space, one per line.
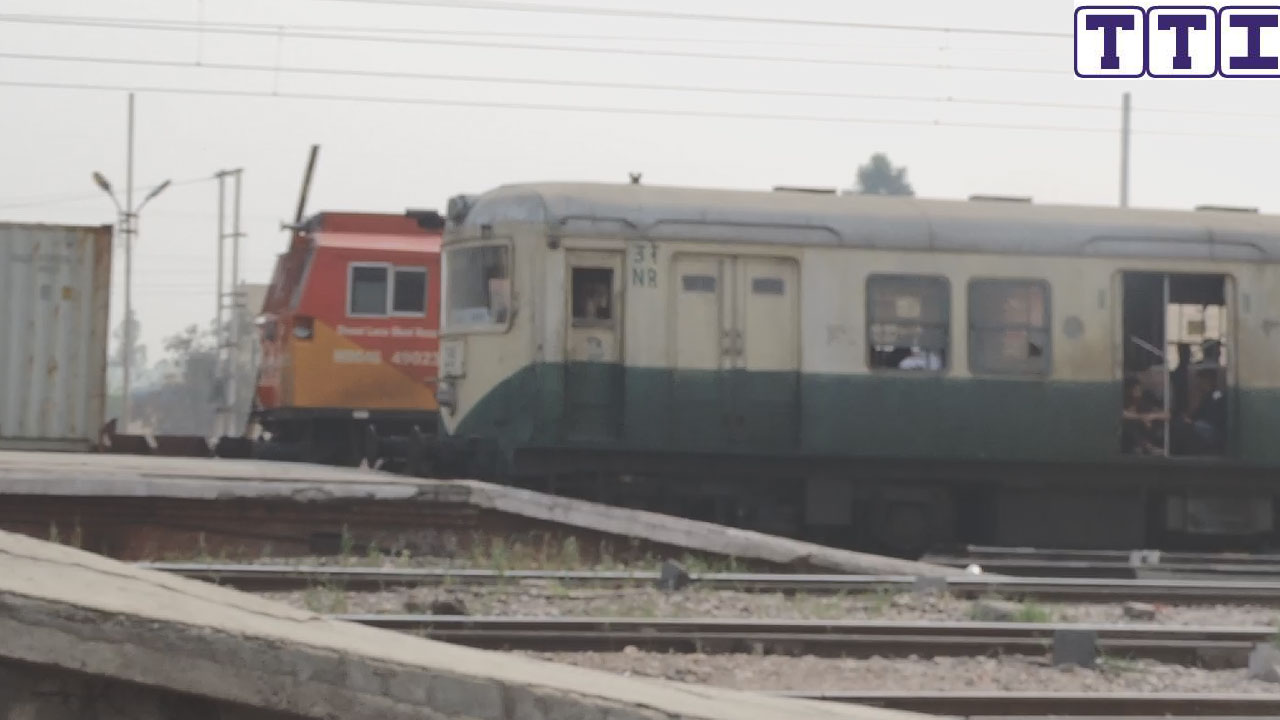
1226, 208
999, 198
427, 219
459, 207
810, 190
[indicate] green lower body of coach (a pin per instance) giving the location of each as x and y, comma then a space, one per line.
609, 407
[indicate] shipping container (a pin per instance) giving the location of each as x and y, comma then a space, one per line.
55, 285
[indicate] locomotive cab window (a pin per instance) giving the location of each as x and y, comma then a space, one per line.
1009, 327
592, 296
379, 290
478, 286
367, 293
908, 322
409, 292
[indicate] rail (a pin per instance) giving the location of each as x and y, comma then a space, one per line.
1206, 646
1059, 705
1112, 563
294, 577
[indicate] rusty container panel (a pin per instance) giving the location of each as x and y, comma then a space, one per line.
54, 295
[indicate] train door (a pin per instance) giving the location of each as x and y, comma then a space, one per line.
1176, 360
765, 381
703, 345
593, 354
736, 368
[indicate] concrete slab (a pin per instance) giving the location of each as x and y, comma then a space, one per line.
67, 611
46, 475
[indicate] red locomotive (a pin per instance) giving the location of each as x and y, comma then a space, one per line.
349, 340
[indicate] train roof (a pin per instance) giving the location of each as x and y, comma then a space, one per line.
419, 243
368, 222
382, 232
896, 223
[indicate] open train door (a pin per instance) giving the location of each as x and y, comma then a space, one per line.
1179, 397
593, 379
1177, 374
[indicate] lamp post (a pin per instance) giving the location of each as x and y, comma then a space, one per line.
128, 227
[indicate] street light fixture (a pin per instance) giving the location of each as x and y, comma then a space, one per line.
154, 192
101, 182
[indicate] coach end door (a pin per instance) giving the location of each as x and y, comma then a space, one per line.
703, 344
766, 377
593, 356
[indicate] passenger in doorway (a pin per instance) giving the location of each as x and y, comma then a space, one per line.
1141, 431
1178, 381
1212, 350
1209, 415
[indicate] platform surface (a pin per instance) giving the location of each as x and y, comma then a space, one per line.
68, 609
101, 475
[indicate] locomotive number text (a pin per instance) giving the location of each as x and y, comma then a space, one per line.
414, 358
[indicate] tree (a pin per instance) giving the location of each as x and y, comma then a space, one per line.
185, 404
880, 177
187, 401
139, 350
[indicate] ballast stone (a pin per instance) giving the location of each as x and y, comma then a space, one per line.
996, 611
1140, 611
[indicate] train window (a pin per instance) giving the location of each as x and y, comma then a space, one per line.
367, 291
409, 292
592, 295
698, 283
1009, 327
768, 286
478, 290
908, 322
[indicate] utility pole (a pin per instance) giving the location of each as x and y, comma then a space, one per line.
231, 303
129, 229
126, 364
1124, 151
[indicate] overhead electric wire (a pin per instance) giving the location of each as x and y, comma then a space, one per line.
66, 199
362, 32
552, 107
589, 49
607, 85
265, 30
571, 83
491, 5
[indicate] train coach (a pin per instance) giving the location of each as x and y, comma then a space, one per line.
878, 372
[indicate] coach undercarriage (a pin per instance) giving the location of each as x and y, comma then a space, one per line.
906, 508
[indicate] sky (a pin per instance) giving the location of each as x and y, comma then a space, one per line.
414, 101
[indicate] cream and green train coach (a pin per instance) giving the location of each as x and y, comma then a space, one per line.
877, 372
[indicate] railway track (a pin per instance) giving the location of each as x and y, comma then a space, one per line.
1131, 564
1060, 705
296, 577
1219, 647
